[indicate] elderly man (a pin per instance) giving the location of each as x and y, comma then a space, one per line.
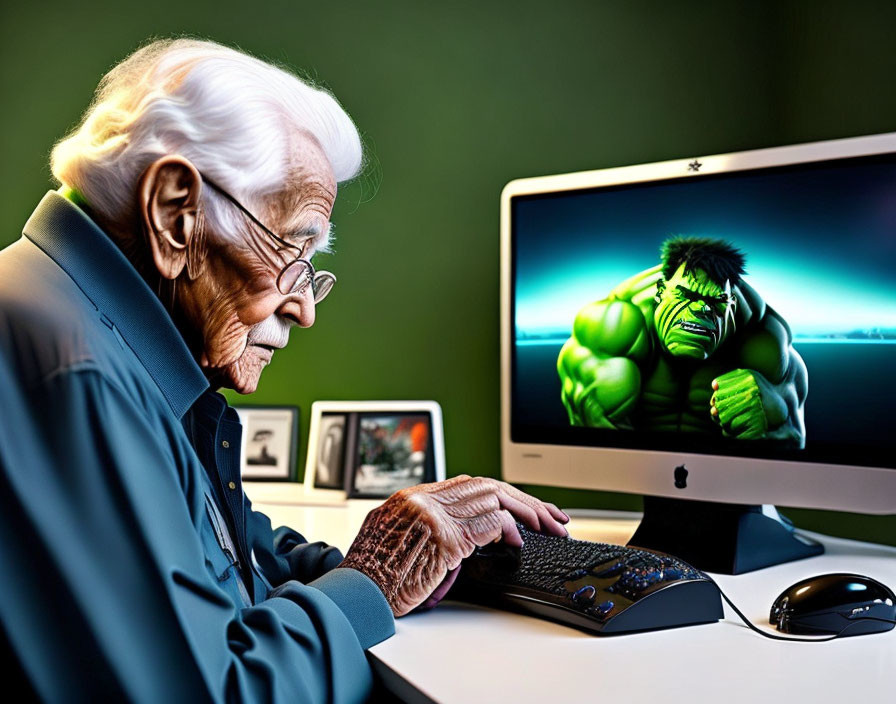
173, 261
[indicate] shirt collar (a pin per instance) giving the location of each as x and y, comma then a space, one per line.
66, 234
211, 408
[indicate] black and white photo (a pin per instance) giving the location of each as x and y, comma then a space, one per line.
269, 442
331, 452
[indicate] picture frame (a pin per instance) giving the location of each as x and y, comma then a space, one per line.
269, 442
370, 449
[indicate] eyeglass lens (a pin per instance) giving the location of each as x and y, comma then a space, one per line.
297, 275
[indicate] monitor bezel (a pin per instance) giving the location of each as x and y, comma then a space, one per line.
720, 478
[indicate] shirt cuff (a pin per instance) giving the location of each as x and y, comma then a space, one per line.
362, 603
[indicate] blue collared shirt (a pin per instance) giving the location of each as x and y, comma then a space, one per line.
133, 567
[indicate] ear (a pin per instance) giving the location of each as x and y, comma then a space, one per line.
168, 204
660, 287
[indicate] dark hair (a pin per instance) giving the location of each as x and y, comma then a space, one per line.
720, 260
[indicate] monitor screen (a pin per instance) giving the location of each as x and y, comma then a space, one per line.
818, 249
747, 313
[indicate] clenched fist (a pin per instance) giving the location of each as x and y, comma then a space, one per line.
740, 404
413, 544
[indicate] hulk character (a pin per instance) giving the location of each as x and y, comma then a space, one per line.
686, 345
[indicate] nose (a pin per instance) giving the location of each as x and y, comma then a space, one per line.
298, 308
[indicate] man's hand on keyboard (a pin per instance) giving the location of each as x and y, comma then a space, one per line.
413, 544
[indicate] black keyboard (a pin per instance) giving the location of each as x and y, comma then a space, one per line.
596, 586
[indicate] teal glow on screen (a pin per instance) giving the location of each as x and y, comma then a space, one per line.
819, 246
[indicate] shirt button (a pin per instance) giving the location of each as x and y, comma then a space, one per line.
225, 444
232, 486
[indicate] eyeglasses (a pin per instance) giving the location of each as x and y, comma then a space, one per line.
299, 273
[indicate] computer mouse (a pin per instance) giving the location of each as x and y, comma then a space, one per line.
829, 603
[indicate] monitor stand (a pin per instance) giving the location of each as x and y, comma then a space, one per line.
722, 538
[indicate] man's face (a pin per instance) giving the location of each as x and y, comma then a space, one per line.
694, 315
234, 305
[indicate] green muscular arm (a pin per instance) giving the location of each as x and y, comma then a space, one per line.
598, 365
764, 400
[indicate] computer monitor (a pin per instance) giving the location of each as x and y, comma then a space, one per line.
717, 333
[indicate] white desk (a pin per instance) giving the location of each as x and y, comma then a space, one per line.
463, 653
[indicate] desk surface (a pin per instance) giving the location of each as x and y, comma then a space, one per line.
465, 653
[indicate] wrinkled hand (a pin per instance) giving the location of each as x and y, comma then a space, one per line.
413, 544
737, 406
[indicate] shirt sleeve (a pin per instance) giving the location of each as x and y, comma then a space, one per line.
106, 591
284, 553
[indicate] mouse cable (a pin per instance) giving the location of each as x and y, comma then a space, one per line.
773, 636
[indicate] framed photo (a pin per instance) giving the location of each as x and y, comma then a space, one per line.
330, 460
371, 449
270, 437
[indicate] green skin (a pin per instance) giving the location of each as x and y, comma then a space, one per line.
687, 354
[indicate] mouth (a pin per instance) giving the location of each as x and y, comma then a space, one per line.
696, 329
269, 343
264, 352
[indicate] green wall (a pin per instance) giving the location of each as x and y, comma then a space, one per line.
456, 99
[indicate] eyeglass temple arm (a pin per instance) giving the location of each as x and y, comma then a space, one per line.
246, 212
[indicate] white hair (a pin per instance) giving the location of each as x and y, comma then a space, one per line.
230, 114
